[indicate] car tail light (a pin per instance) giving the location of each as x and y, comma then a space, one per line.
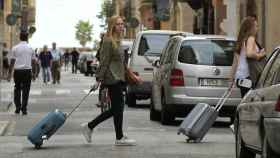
176, 78
277, 106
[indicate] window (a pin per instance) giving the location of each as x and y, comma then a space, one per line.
1, 4
169, 51
164, 56
207, 52
152, 44
273, 75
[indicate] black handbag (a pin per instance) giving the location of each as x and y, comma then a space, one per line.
255, 69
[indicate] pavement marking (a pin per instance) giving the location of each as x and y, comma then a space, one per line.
96, 92
62, 91
3, 126
36, 92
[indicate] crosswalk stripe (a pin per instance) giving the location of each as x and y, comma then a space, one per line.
62, 91
35, 92
96, 92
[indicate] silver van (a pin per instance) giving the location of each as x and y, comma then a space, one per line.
146, 48
192, 69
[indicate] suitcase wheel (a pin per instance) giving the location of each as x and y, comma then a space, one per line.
38, 146
190, 140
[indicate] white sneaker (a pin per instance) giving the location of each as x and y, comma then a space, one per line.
87, 132
125, 141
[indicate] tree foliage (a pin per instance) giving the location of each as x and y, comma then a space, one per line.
84, 32
107, 10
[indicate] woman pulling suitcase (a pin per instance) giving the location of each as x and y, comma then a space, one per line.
111, 73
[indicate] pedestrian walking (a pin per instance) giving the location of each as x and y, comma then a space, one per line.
75, 57
5, 61
22, 59
56, 64
246, 49
45, 58
37, 66
112, 74
66, 57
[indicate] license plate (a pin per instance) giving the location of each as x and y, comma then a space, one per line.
213, 82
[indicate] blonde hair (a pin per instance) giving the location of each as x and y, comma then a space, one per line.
111, 32
246, 30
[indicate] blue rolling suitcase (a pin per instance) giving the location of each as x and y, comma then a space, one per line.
47, 126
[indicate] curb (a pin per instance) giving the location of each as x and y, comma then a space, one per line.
3, 127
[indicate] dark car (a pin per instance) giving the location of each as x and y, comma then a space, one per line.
86, 63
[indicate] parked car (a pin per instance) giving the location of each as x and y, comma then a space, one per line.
146, 48
257, 122
87, 63
192, 69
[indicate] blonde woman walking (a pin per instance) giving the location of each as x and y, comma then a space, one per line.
111, 74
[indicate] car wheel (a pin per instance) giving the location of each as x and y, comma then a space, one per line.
166, 116
154, 115
241, 151
267, 152
131, 100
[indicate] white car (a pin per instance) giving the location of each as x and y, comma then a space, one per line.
146, 48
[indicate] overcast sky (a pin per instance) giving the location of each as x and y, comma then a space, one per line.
56, 20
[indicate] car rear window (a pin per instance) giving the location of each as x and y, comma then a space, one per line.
207, 52
152, 44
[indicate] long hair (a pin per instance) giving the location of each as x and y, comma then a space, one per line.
111, 32
246, 30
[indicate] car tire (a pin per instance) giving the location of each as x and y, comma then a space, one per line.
267, 152
166, 116
131, 100
154, 115
241, 151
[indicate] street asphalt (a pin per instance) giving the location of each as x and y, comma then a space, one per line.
153, 139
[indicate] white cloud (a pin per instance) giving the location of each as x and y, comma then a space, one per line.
56, 20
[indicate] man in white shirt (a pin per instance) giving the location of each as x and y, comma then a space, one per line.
56, 63
22, 59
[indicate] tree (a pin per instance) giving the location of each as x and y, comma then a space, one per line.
107, 10
84, 32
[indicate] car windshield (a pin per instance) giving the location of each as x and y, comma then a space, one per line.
207, 52
152, 44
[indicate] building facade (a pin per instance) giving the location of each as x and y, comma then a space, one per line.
222, 17
24, 11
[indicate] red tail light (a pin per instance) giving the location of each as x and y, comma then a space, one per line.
176, 78
277, 106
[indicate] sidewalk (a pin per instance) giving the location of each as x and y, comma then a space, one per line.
6, 101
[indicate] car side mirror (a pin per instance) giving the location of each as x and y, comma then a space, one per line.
156, 63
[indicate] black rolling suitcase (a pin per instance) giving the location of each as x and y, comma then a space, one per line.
201, 119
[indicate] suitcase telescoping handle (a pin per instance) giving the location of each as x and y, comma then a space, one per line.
223, 99
84, 98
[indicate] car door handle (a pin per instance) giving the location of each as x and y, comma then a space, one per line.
148, 69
